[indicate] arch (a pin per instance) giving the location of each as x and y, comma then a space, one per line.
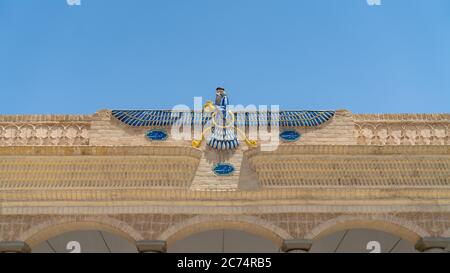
250, 224
389, 224
49, 229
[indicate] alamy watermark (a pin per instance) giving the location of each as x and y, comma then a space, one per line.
247, 124
374, 2
73, 2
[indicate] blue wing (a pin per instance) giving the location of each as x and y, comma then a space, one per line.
139, 118
285, 118
147, 118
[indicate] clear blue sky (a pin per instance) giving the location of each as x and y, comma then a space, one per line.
300, 54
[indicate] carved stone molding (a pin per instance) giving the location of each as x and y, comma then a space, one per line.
402, 129
401, 118
30, 134
402, 134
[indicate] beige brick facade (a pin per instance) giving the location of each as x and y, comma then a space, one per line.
63, 173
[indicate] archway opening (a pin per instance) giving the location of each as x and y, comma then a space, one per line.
408, 231
85, 241
223, 241
362, 240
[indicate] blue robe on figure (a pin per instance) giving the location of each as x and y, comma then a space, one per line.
223, 138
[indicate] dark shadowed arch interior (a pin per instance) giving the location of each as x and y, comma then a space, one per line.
86, 241
227, 241
362, 241
223, 241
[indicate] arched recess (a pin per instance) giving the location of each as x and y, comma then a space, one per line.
248, 224
53, 228
404, 229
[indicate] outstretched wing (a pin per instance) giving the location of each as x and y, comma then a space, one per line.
144, 118
285, 118
305, 118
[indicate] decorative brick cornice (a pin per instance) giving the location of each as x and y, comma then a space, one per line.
44, 118
320, 195
402, 129
44, 130
401, 117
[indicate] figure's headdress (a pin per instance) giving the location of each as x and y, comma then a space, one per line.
220, 92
